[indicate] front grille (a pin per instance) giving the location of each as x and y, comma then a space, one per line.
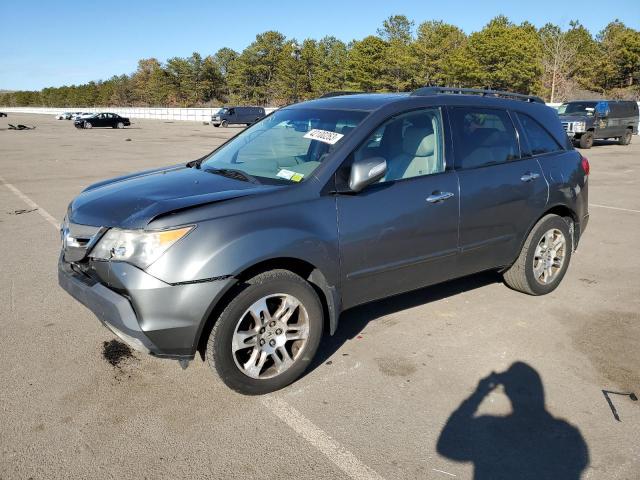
568, 127
78, 239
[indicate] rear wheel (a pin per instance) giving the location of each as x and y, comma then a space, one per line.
544, 258
586, 140
268, 334
626, 138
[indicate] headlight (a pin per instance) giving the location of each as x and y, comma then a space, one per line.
138, 247
578, 126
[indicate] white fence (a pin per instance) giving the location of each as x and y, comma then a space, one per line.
187, 114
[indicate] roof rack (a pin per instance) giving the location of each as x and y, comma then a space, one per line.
476, 91
338, 94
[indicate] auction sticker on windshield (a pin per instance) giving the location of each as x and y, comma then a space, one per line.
324, 136
289, 175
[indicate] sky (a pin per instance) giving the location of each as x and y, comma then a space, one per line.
52, 43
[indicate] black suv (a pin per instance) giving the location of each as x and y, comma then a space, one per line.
586, 121
250, 253
237, 116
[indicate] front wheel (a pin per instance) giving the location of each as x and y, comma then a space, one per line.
586, 140
268, 334
626, 138
544, 258
88, 125
224, 124
120, 125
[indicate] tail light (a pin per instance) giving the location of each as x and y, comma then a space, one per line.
585, 165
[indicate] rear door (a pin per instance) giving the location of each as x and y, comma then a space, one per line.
501, 191
401, 233
110, 120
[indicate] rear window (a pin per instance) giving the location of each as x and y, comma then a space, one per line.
540, 141
483, 137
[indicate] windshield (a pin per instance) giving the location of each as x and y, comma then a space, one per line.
222, 111
287, 146
579, 108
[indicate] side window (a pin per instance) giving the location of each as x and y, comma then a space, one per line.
540, 140
231, 111
411, 143
483, 137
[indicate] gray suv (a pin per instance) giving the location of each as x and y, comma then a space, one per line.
249, 254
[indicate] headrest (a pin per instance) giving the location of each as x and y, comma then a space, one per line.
418, 141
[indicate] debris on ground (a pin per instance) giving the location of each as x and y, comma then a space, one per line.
22, 210
21, 127
114, 352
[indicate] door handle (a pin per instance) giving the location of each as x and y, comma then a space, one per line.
527, 177
437, 197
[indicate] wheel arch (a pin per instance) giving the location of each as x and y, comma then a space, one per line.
327, 294
562, 211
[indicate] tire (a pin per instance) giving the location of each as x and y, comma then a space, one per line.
626, 138
230, 362
120, 125
224, 124
88, 125
523, 275
586, 140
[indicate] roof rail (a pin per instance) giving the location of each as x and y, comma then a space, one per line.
476, 91
338, 94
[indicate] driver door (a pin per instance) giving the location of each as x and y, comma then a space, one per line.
401, 233
100, 120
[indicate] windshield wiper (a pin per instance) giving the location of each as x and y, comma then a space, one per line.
233, 173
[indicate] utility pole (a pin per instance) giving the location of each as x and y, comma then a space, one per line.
296, 53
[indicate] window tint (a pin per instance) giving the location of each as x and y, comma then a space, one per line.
540, 141
411, 144
483, 137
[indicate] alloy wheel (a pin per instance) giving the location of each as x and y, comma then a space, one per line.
549, 256
270, 336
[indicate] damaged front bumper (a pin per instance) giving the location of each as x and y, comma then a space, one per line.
151, 316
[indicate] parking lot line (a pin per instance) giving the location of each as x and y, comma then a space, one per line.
614, 208
41, 211
334, 451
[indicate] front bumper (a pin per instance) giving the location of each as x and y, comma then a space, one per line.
150, 315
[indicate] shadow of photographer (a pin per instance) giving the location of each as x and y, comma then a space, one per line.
529, 443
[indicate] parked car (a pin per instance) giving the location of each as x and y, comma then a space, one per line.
237, 115
250, 253
112, 120
64, 116
77, 115
586, 121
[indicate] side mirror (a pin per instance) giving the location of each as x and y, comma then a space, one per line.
365, 172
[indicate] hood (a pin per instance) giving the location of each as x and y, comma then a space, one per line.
133, 201
576, 118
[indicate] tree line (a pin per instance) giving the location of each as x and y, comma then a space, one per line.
550, 61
